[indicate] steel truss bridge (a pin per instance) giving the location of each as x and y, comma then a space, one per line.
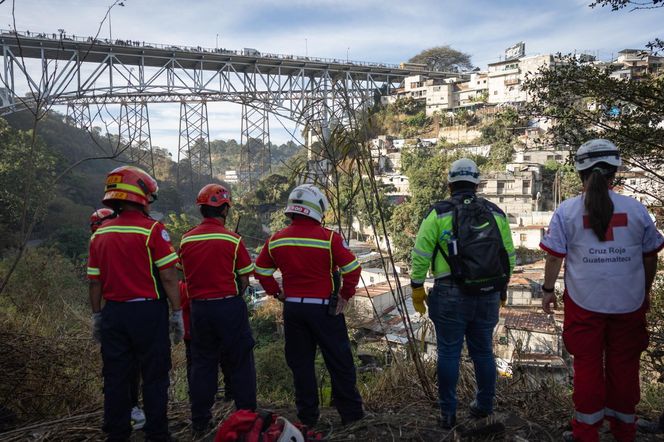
85, 73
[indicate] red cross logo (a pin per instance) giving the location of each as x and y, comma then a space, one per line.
618, 220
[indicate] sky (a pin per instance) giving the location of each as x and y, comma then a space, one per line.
388, 31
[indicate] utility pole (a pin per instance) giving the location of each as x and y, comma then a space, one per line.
217, 46
110, 29
306, 48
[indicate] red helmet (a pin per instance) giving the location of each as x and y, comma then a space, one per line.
128, 183
98, 217
214, 195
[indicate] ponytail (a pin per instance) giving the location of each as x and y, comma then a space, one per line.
597, 201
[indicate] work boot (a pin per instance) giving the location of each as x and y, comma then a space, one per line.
446, 421
477, 413
568, 436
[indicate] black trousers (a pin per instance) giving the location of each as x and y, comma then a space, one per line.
223, 365
135, 334
220, 327
134, 385
307, 326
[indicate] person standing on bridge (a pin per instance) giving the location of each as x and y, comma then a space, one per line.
308, 256
131, 265
609, 244
216, 267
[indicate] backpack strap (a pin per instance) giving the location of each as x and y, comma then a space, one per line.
437, 248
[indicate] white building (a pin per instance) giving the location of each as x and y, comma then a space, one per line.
506, 77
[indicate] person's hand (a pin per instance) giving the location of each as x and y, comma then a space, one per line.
96, 327
549, 298
419, 296
176, 326
281, 297
341, 305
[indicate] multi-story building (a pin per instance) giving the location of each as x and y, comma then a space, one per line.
515, 192
636, 63
506, 77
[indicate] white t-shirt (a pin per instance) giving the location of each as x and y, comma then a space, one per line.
604, 277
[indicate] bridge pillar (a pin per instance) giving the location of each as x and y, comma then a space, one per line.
194, 156
135, 133
79, 115
255, 155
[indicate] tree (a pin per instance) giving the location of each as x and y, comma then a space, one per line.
584, 101
444, 59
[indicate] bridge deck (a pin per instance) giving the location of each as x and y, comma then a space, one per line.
146, 54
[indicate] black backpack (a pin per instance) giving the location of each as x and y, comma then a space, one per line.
476, 254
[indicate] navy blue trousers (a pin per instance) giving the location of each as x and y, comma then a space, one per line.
220, 327
223, 365
307, 326
135, 333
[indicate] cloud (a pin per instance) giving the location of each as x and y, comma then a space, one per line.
371, 30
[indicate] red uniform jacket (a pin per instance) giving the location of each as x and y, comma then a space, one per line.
211, 257
307, 254
126, 254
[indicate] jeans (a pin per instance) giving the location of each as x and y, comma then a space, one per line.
455, 316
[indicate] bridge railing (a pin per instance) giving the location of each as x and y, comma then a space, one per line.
61, 36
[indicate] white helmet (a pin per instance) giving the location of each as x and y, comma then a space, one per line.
290, 433
307, 200
596, 151
463, 170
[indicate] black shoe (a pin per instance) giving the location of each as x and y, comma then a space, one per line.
447, 422
476, 413
349, 420
199, 431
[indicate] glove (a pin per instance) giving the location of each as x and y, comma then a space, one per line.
176, 325
96, 327
419, 296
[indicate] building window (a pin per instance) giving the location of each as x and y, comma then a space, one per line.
500, 187
523, 237
495, 92
501, 199
526, 158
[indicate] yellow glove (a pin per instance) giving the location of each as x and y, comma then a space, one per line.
419, 296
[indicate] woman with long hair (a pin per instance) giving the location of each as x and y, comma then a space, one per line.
609, 244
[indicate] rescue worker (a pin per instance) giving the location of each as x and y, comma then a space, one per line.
609, 244
454, 313
130, 265
97, 218
216, 267
307, 254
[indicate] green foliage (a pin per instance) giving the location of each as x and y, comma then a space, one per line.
419, 120
273, 377
25, 172
585, 102
561, 179
177, 225
501, 153
46, 288
408, 106
444, 59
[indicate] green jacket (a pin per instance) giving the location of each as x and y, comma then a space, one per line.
437, 227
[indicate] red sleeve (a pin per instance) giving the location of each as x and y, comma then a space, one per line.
348, 266
162, 251
93, 270
243, 264
264, 269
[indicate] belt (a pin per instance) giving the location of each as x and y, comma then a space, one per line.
141, 299
215, 299
309, 300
